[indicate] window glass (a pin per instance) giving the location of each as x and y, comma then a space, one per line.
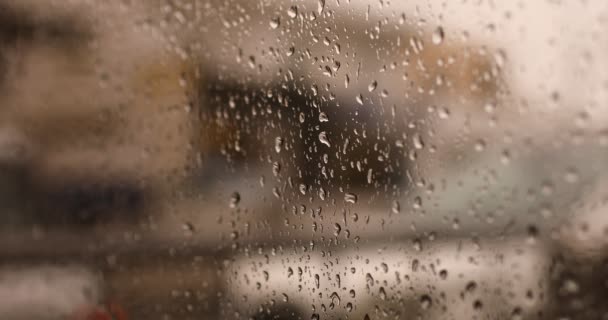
303, 159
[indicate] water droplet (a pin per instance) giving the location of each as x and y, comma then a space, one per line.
276, 168
275, 23
418, 142
417, 244
382, 293
321, 6
349, 307
438, 35
323, 117
188, 227
517, 314
317, 281
417, 203
285, 298
444, 113
571, 175
337, 228
335, 298
350, 197
292, 12
278, 144
396, 207
425, 302
314, 316
322, 194
471, 286
477, 305
323, 138
366, 317
235, 198
369, 279
480, 145
290, 51
384, 267
359, 99
443, 274
372, 86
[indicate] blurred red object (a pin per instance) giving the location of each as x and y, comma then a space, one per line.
111, 311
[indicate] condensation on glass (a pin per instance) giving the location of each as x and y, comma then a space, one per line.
305, 159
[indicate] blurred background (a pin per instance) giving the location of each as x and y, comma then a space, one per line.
305, 159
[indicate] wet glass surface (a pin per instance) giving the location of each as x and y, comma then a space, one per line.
311, 159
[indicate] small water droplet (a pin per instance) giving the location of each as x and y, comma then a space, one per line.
477, 305
382, 293
321, 6
275, 23
372, 86
571, 175
349, 307
350, 197
292, 12
444, 113
438, 35
188, 227
418, 142
471, 286
359, 99
323, 138
278, 144
322, 194
234, 235
480, 145
323, 117
417, 203
384, 267
425, 302
369, 279
235, 198
337, 228
290, 51
396, 207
